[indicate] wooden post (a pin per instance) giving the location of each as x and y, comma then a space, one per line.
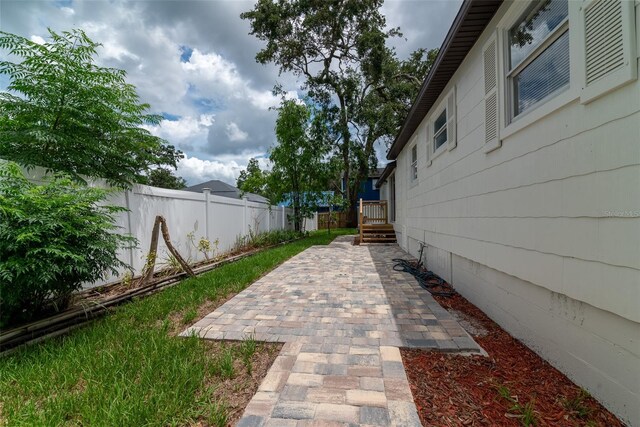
360, 220
284, 214
386, 212
150, 265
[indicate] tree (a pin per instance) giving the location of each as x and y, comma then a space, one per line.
253, 179
164, 178
339, 48
300, 167
63, 112
53, 237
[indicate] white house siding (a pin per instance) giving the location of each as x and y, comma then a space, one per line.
543, 233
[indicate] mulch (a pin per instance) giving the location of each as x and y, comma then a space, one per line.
512, 387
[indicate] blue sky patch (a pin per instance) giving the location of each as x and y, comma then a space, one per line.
171, 117
185, 53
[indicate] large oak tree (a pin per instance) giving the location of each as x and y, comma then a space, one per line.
338, 48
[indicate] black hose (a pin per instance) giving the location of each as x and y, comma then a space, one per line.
427, 279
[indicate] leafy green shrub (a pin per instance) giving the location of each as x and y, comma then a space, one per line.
53, 237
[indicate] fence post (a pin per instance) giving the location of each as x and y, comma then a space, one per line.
127, 198
268, 218
283, 217
244, 216
207, 194
315, 218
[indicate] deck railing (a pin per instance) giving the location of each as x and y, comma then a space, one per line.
372, 212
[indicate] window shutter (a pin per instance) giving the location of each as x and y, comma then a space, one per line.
491, 115
609, 46
427, 133
452, 141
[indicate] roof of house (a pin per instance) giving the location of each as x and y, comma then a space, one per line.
376, 173
472, 19
223, 189
385, 173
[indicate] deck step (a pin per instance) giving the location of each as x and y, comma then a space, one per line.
375, 239
378, 233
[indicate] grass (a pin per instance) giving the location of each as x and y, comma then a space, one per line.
128, 369
525, 413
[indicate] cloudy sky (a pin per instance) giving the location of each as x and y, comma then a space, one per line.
194, 62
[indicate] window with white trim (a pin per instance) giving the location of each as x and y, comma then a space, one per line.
414, 163
538, 56
440, 130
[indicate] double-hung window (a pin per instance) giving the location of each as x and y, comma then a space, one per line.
440, 130
538, 56
414, 163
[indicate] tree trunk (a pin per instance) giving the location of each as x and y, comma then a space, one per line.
296, 212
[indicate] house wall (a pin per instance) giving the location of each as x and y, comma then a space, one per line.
543, 233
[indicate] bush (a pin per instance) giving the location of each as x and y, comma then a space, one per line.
53, 237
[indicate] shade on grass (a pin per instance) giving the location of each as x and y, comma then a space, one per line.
125, 369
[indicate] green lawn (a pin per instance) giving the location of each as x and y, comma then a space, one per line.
126, 369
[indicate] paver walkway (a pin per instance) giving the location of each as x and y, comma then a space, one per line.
343, 312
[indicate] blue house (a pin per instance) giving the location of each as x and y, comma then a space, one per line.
368, 190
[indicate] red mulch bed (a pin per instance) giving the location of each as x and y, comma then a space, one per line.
459, 390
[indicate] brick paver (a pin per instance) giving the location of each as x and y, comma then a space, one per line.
343, 312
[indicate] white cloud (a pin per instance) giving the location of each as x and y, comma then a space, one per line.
68, 11
186, 131
235, 133
195, 170
37, 39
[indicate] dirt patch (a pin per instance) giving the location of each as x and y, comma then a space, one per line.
236, 392
511, 387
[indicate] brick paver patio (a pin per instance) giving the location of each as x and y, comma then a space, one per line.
343, 312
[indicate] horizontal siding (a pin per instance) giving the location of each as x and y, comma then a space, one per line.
557, 205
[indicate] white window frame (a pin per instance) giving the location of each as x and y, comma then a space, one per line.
431, 131
436, 133
413, 164
554, 35
552, 102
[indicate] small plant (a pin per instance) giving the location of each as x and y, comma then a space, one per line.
204, 245
127, 279
218, 415
525, 413
249, 345
577, 405
171, 265
189, 316
222, 366
248, 349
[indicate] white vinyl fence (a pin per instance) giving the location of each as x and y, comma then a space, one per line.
191, 216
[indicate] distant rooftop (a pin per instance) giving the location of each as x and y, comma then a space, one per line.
223, 189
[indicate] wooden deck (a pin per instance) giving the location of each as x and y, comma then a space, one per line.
373, 222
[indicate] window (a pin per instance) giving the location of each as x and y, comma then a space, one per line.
538, 56
414, 163
440, 130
